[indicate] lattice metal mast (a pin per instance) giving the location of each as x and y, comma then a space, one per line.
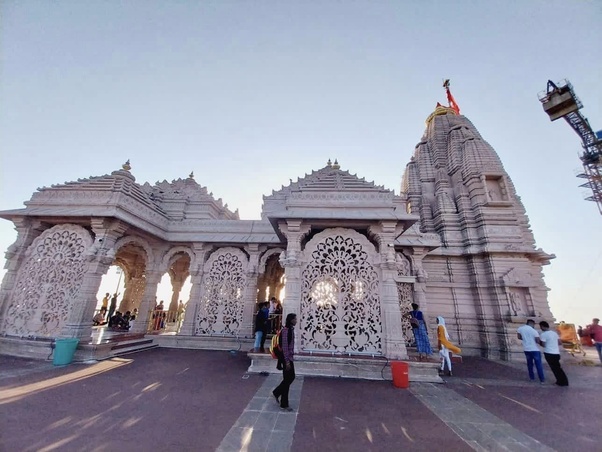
560, 101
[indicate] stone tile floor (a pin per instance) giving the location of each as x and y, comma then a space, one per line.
193, 400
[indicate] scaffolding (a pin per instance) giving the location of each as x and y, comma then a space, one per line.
560, 101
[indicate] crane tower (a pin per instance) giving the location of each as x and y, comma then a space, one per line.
560, 101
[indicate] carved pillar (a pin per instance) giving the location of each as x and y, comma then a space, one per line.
196, 279
250, 293
261, 288
176, 284
420, 289
152, 278
294, 231
393, 342
100, 257
134, 291
27, 230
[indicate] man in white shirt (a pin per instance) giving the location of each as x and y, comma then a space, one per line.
530, 338
550, 341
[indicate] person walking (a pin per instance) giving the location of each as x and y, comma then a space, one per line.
287, 343
550, 341
423, 346
530, 338
445, 346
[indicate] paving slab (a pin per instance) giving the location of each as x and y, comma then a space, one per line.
181, 399
198, 400
354, 415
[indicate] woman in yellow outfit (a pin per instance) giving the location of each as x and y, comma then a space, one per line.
445, 346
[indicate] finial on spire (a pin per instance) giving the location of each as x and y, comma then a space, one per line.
126, 166
329, 163
191, 175
336, 164
452, 102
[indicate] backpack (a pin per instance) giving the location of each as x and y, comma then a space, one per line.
414, 321
276, 347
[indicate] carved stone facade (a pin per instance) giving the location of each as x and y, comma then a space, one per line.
487, 278
351, 256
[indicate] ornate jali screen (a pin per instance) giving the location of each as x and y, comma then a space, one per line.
340, 310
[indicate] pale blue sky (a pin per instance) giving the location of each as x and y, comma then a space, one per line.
251, 94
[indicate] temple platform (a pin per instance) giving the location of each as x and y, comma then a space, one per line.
365, 368
103, 344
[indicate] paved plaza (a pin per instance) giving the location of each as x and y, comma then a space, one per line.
192, 400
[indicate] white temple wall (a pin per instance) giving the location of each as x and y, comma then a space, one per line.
27, 231
49, 282
221, 308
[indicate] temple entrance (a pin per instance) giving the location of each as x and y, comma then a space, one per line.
167, 316
340, 307
270, 284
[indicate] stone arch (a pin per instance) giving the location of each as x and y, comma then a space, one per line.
177, 263
270, 275
220, 311
132, 239
48, 282
135, 256
170, 257
340, 287
265, 256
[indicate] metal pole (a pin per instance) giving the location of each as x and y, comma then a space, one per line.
120, 272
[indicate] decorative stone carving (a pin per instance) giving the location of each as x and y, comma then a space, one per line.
48, 282
340, 309
221, 306
406, 298
404, 267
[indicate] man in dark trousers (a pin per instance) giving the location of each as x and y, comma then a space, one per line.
287, 343
550, 341
112, 306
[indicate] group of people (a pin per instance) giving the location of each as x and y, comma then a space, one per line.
267, 320
531, 339
117, 321
550, 341
108, 315
423, 345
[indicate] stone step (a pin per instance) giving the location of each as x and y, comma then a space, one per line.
128, 347
367, 368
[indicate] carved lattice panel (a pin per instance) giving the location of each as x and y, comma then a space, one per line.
224, 282
48, 283
405, 293
340, 310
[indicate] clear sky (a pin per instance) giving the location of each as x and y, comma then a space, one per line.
252, 94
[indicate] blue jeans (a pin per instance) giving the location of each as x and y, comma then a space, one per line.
599, 349
258, 336
535, 357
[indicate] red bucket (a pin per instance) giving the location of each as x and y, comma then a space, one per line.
401, 374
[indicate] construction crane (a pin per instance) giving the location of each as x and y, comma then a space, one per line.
560, 101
